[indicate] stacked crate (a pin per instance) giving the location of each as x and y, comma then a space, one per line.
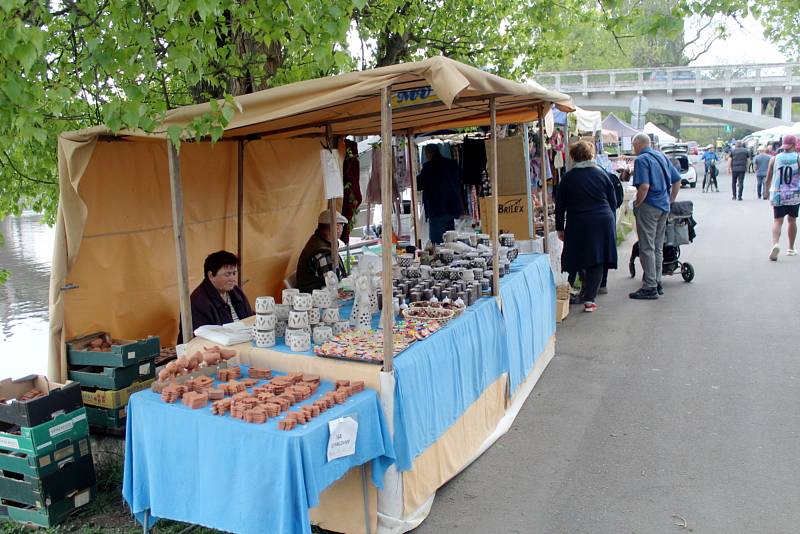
108, 378
46, 468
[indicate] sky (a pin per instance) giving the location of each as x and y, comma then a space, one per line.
746, 44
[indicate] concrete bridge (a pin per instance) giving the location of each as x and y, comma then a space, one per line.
752, 96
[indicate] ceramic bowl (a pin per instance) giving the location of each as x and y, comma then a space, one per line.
266, 321
265, 338
321, 298
282, 311
302, 302
280, 328
288, 294
322, 334
299, 342
298, 319
314, 316
330, 315
265, 305
405, 260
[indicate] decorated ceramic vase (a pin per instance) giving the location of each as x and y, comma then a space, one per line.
322, 334
265, 305
302, 302
298, 319
321, 298
266, 321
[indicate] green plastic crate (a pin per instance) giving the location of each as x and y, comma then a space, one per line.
107, 417
125, 353
47, 437
47, 490
45, 464
112, 377
46, 516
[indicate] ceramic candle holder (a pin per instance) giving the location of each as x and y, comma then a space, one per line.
314, 316
266, 321
330, 315
298, 319
322, 334
321, 298
302, 302
288, 294
265, 338
265, 305
282, 311
280, 328
299, 342
292, 331
340, 326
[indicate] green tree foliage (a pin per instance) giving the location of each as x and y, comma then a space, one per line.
781, 18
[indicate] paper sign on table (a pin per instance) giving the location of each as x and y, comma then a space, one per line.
342, 440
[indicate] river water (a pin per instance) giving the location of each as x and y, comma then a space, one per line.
27, 253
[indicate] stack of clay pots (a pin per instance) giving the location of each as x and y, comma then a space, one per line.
266, 322
298, 329
325, 315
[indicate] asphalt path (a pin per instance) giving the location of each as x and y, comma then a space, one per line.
675, 415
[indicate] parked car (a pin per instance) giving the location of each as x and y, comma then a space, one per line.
678, 154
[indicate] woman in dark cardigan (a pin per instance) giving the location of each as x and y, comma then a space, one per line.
585, 221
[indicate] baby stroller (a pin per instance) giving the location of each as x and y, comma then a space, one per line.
710, 178
680, 231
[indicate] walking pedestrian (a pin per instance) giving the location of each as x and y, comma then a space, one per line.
737, 166
783, 183
585, 205
657, 184
761, 164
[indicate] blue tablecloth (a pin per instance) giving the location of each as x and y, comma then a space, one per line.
220, 472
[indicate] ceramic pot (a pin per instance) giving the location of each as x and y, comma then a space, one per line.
439, 273
280, 328
405, 260
455, 273
266, 321
467, 275
321, 298
322, 334
265, 338
446, 255
299, 342
302, 302
298, 319
425, 272
330, 315
265, 305
314, 316
290, 332
413, 273
288, 294
282, 311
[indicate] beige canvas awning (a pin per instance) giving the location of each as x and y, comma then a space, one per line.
114, 236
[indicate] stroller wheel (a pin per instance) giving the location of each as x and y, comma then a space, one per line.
687, 272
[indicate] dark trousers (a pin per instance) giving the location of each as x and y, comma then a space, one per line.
592, 276
437, 226
760, 185
737, 180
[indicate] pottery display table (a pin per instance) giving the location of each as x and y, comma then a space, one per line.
221, 472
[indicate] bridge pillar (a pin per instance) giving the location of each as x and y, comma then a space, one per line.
727, 102
786, 108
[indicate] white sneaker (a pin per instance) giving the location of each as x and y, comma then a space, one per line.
791, 252
773, 254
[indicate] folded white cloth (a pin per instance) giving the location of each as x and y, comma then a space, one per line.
228, 334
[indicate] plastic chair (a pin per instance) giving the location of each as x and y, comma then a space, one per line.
290, 281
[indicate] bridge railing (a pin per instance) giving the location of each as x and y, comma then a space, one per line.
672, 77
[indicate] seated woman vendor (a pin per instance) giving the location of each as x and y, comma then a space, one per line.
316, 260
218, 300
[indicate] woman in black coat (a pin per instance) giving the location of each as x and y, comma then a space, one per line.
585, 221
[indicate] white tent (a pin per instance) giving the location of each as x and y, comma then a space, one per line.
588, 121
663, 137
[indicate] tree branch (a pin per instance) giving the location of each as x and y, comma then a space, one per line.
10, 163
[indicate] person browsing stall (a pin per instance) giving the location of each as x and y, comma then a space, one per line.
440, 183
316, 259
657, 184
218, 300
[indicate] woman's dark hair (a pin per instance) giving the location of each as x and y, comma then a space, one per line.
217, 260
581, 151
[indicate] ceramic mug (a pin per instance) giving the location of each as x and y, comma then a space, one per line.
322, 334
413, 273
280, 328
265, 338
265, 305
282, 311
314, 316
467, 275
288, 294
299, 342
266, 321
330, 315
298, 319
405, 260
456, 273
302, 302
321, 298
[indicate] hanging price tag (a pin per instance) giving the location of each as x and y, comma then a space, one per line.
342, 440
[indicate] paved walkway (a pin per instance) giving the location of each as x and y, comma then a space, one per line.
652, 415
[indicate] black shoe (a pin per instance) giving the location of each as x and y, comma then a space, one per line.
659, 289
644, 294
576, 299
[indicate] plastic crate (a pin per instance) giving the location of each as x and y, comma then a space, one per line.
123, 354
109, 398
112, 377
47, 437
45, 464
46, 516
60, 398
55, 487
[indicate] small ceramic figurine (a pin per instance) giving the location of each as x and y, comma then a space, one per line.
361, 315
332, 285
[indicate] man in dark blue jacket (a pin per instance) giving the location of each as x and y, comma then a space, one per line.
440, 183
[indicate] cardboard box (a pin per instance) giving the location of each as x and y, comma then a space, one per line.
52, 488
511, 174
562, 310
46, 516
60, 398
45, 464
109, 398
123, 353
112, 377
512, 214
47, 437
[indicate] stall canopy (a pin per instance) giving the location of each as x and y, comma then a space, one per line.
588, 121
114, 262
623, 129
663, 137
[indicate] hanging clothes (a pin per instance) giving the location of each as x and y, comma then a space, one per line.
474, 161
351, 179
374, 188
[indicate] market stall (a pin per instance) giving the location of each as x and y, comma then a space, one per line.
258, 191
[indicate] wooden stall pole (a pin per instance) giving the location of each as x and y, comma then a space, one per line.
528, 188
240, 209
176, 189
543, 175
386, 234
495, 203
414, 169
